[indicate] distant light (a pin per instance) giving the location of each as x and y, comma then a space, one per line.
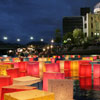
5, 38
51, 46
10, 51
98, 34
43, 49
41, 40
52, 41
18, 40
31, 38
47, 47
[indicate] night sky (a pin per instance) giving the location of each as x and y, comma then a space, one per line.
37, 18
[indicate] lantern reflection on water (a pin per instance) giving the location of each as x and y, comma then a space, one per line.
50, 75
85, 76
96, 76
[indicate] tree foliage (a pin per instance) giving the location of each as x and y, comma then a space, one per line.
58, 37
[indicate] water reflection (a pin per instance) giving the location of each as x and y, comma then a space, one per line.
87, 89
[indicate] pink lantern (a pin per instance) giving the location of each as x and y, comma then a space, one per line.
33, 69
12, 88
53, 60
96, 76
4, 81
47, 75
54, 67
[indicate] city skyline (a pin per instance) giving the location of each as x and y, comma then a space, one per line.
22, 19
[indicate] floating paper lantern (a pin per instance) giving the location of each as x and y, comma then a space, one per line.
63, 89
61, 63
53, 67
30, 95
74, 69
85, 70
12, 88
33, 69
22, 66
67, 69
16, 59
31, 59
13, 73
47, 75
4, 81
96, 76
52, 60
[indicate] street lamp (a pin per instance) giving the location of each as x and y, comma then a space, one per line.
5, 38
31, 38
41, 40
52, 41
18, 40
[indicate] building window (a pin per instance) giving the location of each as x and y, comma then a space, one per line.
91, 25
85, 34
91, 18
91, 34
85, 25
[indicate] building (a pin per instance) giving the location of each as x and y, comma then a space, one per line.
84, 11
71, 23
91, 22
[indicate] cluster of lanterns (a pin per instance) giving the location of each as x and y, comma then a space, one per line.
87, 71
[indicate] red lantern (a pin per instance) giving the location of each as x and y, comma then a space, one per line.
12, 88
96, 76
31, 59
67, 69
13, 73
33, 69
85, 70
4, 81
22, 66
54, 67
47, 75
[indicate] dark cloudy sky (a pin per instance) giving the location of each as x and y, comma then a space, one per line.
37, 18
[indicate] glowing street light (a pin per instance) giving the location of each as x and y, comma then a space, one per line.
52, 41
31, 38
5, 38
41, 40
18, 40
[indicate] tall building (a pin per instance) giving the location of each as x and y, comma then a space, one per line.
84, 11
91, 22
71, 23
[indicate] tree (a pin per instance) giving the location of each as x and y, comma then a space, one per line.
68, 38
78, 37
58, 36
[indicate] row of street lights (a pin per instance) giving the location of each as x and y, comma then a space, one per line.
31, 38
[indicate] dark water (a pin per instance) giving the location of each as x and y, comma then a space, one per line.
85, 93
